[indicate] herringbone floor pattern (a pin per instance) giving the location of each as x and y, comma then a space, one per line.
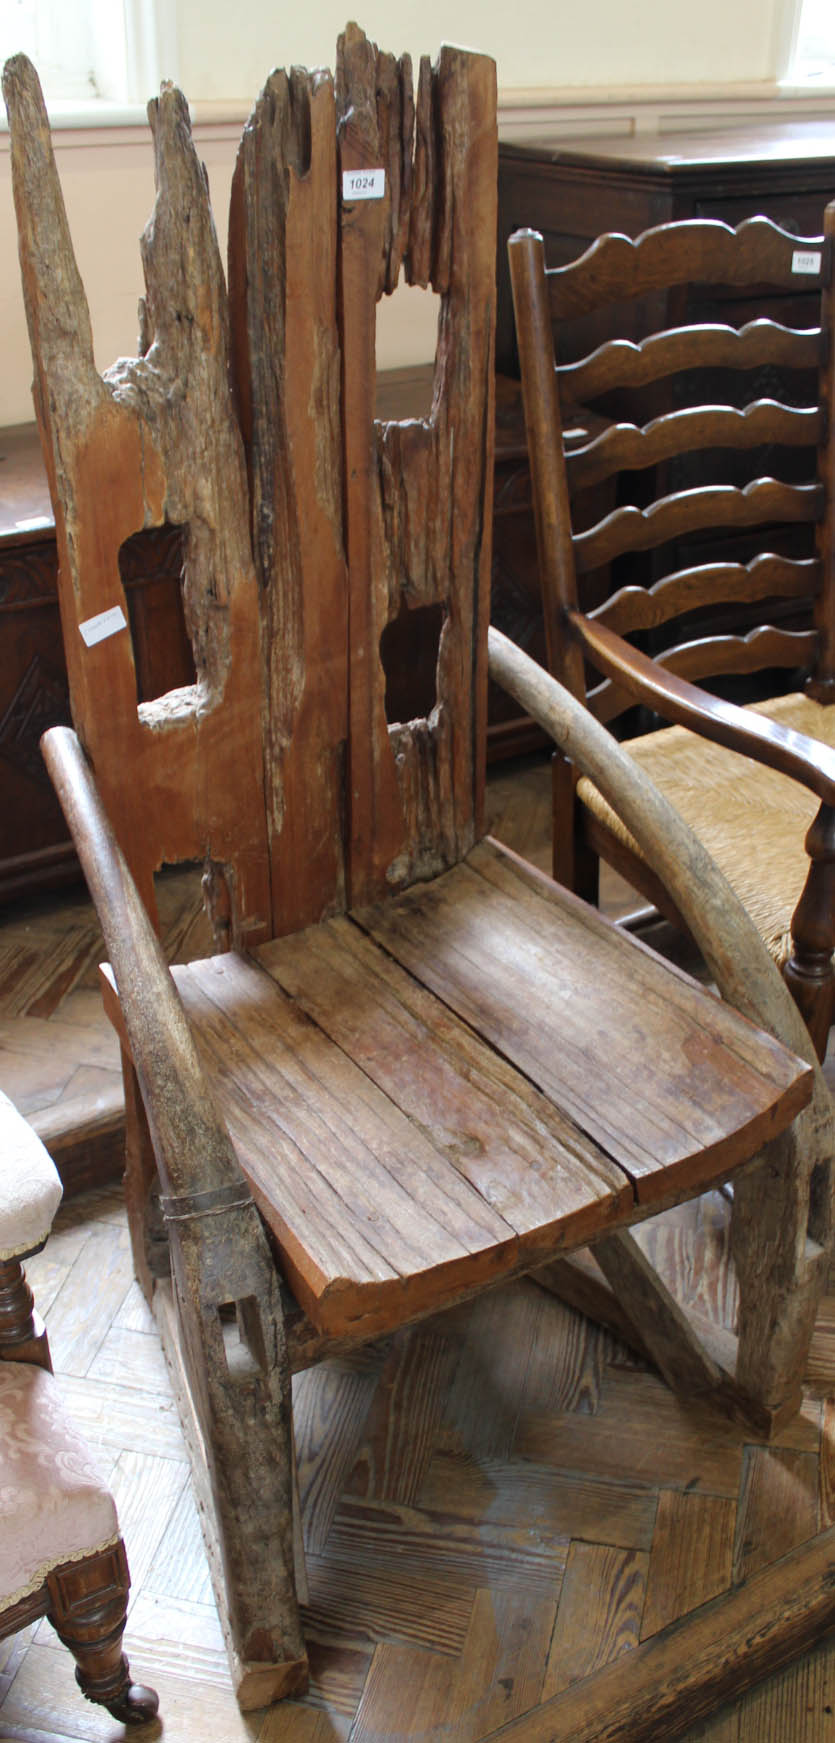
496, 1503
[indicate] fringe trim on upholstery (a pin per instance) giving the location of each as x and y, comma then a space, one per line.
48, 1567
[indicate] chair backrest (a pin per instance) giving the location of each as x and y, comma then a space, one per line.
308, 528
697, 514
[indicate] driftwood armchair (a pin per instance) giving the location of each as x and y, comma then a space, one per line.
683, 541
414, 1067
61, 1550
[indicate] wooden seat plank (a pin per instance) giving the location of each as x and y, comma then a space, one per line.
373, 1201
399, 1156
483, 938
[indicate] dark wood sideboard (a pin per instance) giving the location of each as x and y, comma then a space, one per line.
785, 170
573, 193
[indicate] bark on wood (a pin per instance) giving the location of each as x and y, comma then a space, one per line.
155, 440
418, 496
283, 285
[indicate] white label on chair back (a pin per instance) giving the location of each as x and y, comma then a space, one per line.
105, 623
363, 184
806, 260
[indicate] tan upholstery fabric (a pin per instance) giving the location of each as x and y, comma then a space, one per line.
30, 1190
54, 1506
752, 820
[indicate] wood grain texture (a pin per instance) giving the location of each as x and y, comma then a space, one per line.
121, 457
599, 1615
286, 353
711, 344
616, 267
684, 1672
628, 447
173, 1635
686, 399
692, 1556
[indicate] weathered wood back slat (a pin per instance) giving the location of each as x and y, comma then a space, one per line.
309, 527
283, 291
154, 440
417, 495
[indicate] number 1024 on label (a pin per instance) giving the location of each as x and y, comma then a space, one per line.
363, 184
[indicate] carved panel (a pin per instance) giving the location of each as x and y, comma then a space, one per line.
41, 700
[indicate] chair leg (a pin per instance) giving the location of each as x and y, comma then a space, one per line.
780, 1270
808, 971
88, 1607
573, 862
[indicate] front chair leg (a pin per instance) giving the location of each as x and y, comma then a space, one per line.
88, 1607
808, 971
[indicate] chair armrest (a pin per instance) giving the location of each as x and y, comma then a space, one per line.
30, 1189
193, 1149
791, 753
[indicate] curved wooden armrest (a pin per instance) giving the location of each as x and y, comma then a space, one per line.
193, 1149
727, 937
791, 753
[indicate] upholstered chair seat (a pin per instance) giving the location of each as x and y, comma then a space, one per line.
61, 1553
54, 1505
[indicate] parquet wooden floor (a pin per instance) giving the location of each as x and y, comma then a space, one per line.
496, 1503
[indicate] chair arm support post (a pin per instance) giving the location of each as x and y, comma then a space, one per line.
808, 970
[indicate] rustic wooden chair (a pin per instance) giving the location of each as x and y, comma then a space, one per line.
61, 1552
714, 557
414, 1067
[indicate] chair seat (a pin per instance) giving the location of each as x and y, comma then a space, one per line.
30, 1187
54, 1507
443, 1089
714, 788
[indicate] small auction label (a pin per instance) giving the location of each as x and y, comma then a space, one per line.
363, 184
806, 260
105, 623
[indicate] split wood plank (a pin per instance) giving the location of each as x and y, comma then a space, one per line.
154, 441
483, 938
370, 1198
285, 348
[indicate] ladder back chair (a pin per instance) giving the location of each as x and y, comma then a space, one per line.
712, 558
414, 1066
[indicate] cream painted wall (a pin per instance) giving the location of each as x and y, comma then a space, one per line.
224, 53
534, 42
